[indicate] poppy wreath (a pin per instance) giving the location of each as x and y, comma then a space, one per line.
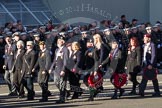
150, 74
119, 79
95, 83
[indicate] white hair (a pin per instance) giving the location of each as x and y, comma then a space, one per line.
21, 43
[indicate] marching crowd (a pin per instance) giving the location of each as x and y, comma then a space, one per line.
123, 49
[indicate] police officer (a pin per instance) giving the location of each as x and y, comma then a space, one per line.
60, 62
49, 40
157, 32
36, 42
27, 74
44, 63
83, 42
24, 37
42, 31
107, 37
16, 37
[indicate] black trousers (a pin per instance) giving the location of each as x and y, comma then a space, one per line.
144, 81
74, 79
133, 79
28, 84
85, 79
143, 85
43, 83
17, 81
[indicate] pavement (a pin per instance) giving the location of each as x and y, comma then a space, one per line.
103, 99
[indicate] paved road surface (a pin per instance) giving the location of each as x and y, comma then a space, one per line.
103, 100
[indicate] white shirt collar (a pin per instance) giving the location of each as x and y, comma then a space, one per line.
44, 50
147, 44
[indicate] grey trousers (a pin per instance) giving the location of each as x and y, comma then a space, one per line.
8, 76
60, 83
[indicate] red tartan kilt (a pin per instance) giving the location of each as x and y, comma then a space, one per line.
95, 83
119, 79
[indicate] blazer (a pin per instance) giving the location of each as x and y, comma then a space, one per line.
100, 55
9, 56
74, 61
134, 60
28, 62
60, 62
44, 61
18, 61
115, 62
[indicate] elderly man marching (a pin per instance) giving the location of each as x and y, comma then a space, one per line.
27, 74
149, 66
18, 61
59, 64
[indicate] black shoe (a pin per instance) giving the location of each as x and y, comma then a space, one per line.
133, 92
137, 84
33, 93
67, 94
114, 96
100, 89
121, 92
91, 99
30, 98
141, 94
43, 100
49, 93
156, 95
12, 94
21, 96
60, 101
95, 94
80, 93
75, 96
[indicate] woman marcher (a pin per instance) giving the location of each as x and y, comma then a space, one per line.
27, 74
114, 60
18, 58
133, 63
99, 54
74, 67
44, 63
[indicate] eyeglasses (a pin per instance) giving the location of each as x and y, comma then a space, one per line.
28, 45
